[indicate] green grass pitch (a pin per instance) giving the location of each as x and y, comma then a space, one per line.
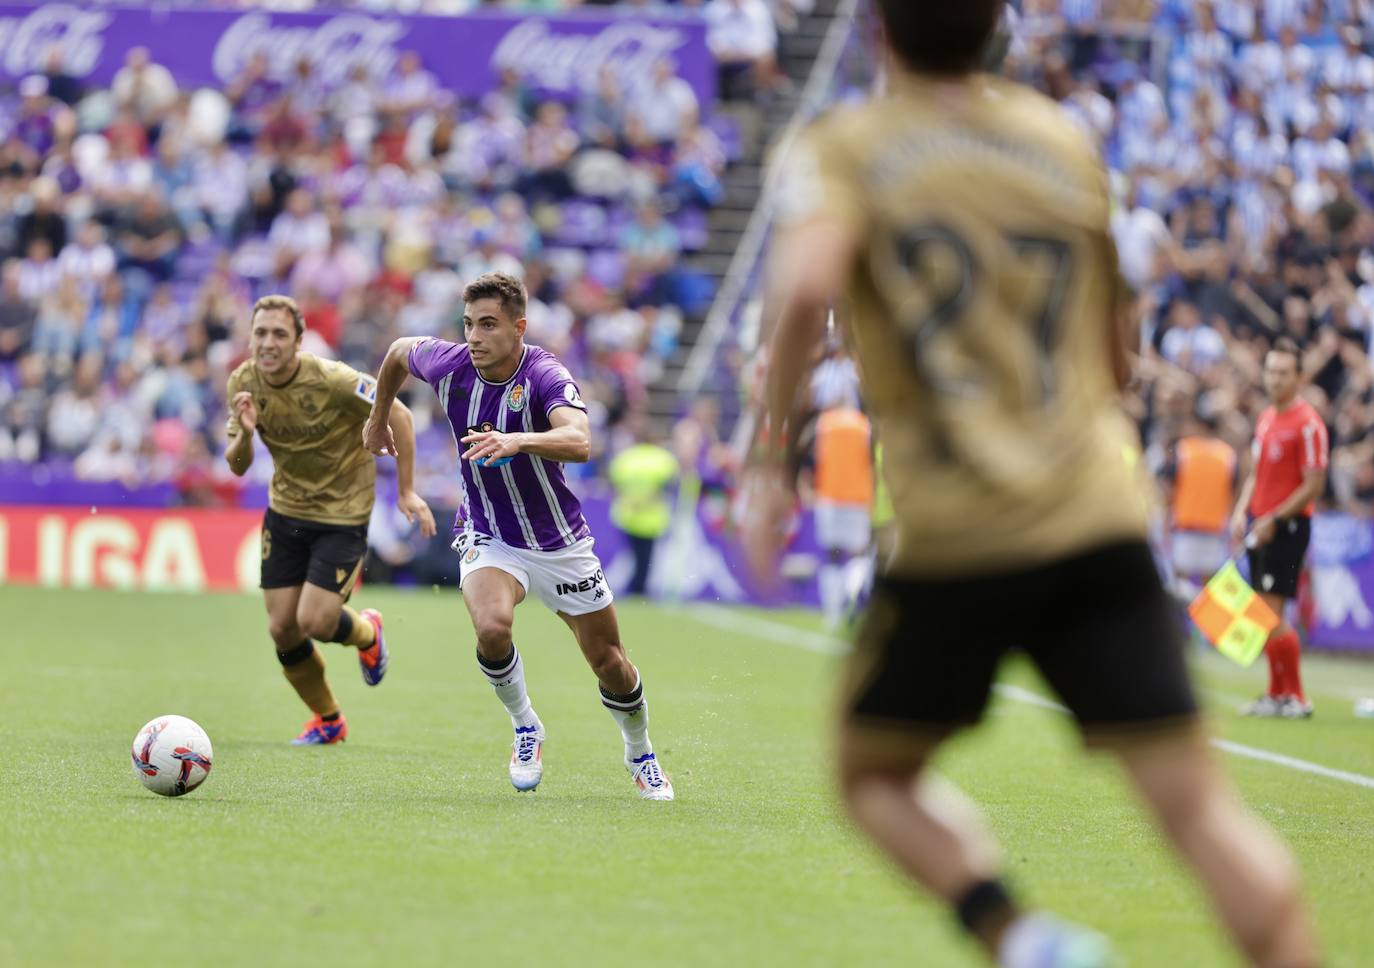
407, 845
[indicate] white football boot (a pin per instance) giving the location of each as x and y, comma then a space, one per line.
527, 757
1265, 707
1294, 708
650, 780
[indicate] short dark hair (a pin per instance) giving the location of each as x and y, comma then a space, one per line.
280, 302
941, 36
499, 285
1289, 346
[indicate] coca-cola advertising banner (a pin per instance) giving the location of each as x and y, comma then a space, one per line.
561, 55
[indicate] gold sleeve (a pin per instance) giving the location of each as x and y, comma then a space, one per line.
352, 392
817, 178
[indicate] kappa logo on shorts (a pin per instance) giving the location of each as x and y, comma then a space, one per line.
563, 589
339, 576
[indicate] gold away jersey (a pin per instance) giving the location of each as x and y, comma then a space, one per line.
982, 299
313, 427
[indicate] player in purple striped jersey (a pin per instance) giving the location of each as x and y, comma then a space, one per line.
518, 416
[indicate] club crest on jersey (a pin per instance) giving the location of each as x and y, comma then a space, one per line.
515, 398
367, 389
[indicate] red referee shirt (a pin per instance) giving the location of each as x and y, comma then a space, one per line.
1287, 443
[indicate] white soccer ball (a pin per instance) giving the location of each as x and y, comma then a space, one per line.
172, 755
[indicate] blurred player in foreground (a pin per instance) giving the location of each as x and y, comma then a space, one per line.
1288, 465
518, 414
966, 219
310, 413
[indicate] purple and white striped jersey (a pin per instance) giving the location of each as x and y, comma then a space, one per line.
525, 503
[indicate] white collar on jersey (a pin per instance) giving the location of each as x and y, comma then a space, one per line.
523, 353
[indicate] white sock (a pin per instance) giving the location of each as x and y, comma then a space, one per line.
508, 682
832, 594
631, 713
1026, 939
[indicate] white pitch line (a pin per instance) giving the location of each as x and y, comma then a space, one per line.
737, 621
734, 620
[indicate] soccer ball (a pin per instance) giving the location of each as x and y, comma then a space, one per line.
171, 755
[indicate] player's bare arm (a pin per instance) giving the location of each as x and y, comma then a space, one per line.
402, 426
378, 435
808, 273
1239, 515
568, 441
243, 422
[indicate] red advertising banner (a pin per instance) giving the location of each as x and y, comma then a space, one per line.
140, 550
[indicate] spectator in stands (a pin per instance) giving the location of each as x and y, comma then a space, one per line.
549, 146
75, 411
698, 167
601, 110
250, 94
411, 89
39, 274
144, 87
299, 229
88, 260
744, 40
220, 184
24, 414
148, 241
17, 316
335, 272
1189, 343
666, 105
45, 220
37, 127
651, 246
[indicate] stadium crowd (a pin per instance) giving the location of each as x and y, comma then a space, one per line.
1239, 139
140, 221
1244, 177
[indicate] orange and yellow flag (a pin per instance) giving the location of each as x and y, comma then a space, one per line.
1232, 617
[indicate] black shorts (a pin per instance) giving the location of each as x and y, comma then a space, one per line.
1099, 627
295, 552
1275, 567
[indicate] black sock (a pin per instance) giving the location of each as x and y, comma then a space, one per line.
332, 717
297, 655
344, 628
986, 910
490, 666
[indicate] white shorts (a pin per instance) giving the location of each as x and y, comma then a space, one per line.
570, 581
843, 527
1197, 554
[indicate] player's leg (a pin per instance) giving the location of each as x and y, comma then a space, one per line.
303, 667
1249, 873
923, 666
491, 593
830, 577
1275, 570
1282, 650
622, 693
1117, 661
336, 563
285, 565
